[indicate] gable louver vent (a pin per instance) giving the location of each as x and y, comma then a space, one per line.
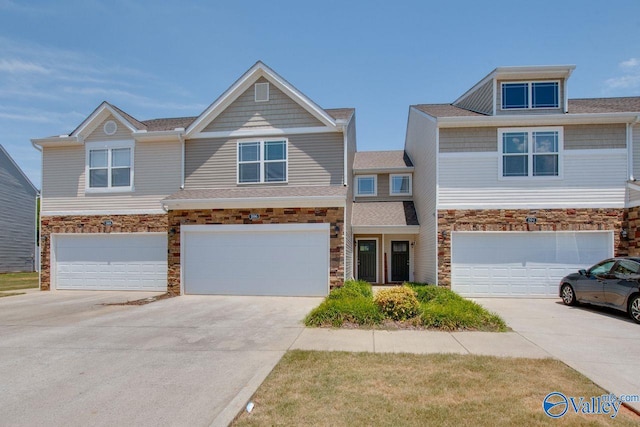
262, 92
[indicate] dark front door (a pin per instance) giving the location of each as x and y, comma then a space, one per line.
367, 260
399, 261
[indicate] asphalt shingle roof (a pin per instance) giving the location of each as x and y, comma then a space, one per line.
260, 192
628, 104
381, 160
384, 214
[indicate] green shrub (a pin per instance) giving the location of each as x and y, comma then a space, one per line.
398, 303
335, 312
426, 293
352, 289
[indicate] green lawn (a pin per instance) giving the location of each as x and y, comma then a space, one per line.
367, 389
11, 282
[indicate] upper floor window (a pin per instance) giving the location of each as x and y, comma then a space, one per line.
109, 166
400, 184
522, 95
262, 161
530, 152
366, 185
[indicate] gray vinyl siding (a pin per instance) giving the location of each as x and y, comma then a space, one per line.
157, 174
576, 137
480, 100
314, 159
17, 219
421, 145
499, 110
585, 137
122, 134
383, 193
348, 240
279, 112
464, 140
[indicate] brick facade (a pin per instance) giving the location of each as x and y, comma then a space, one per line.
333, 216
546, 220
91, 224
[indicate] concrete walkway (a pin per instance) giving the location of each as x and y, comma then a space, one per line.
503, 344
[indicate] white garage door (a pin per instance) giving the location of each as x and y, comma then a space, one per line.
260, 259
526, 264
128, 261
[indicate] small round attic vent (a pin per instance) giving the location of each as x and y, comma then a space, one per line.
110, 127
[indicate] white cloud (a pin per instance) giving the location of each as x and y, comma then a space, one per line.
628, 80
19, 66
630, 63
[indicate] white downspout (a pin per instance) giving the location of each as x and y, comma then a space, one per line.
182, 159
630, 147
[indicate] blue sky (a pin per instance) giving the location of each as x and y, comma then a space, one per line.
59, 60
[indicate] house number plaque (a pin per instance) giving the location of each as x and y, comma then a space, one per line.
254, 216
531, 220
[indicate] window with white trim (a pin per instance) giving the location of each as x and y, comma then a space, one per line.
529, 95
366, 185
400, 184
262, 161
109, 166
530, 152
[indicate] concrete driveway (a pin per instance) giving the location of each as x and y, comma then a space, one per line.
66, 359
602, 344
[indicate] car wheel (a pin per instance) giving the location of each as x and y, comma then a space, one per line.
568, 295
634, 308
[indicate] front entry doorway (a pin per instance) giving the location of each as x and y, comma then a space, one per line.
367, 260
399, 261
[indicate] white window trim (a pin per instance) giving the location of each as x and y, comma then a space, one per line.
529, 84
391, 176
108, 145
261, 161
357, 186
529, 131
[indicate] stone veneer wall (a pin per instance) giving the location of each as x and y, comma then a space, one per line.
333, 216
91, 224
633, 217
547, 220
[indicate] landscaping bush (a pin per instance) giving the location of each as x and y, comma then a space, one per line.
426, 293
336, 312
398, 303
352, 289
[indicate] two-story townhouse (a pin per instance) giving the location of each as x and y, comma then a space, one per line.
515, 184
250, 197
383, 220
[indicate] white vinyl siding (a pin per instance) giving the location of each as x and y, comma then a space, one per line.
158, 174
314, 159
592, 178
348, 235
279, 111
422, 147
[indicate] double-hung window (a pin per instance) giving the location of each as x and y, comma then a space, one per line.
530, 152
366, 185
262, 161
522, 95
400, 184
109, 166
